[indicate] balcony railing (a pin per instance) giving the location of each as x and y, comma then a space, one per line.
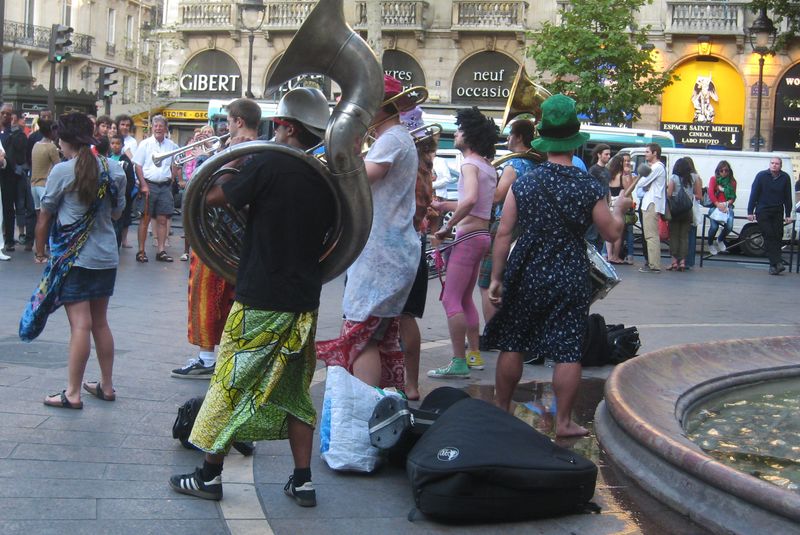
286, 15
30, 35
495, 16
709, 17
207, 15
397, 15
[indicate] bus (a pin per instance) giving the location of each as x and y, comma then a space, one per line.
617, 138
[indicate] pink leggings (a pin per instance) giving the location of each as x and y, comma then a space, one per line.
462, 273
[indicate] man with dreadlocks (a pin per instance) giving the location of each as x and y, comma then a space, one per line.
475, 138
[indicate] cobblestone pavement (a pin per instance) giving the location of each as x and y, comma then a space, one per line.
104, 469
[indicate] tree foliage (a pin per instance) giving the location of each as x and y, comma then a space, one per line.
778, 11
598, 56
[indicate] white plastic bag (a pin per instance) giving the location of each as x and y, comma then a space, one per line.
718, 216
344, 426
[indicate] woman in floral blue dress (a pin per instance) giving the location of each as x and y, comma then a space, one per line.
543, 292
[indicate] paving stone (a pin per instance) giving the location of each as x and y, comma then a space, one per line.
349, 526
58, 437
33, 470
98, 455
87, 488
240, 502
6, 448
115, 527
176, 508
47, 509
140, 472
14, 421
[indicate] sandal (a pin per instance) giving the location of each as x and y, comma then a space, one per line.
682, 266
141, 257
97, 391
185, 257
62, 402
673, 267
163, 257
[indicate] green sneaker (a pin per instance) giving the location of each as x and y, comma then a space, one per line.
475, 361
457, 369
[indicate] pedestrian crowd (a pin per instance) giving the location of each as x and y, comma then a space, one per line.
519, 233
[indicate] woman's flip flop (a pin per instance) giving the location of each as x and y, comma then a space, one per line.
62, 401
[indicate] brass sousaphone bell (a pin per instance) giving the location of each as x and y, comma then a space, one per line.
326, 45
526, 97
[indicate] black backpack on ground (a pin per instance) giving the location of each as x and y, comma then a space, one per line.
623, 343
595, 350
478, 463
184, 422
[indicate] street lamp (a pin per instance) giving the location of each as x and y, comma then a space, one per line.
251, 14
762, 36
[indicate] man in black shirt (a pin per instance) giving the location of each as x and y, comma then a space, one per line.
260, 386
601, 154
771, 204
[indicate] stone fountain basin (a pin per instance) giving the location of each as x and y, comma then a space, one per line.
639, 427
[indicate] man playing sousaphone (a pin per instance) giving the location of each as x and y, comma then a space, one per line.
260, 386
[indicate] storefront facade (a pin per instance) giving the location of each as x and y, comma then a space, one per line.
467, 53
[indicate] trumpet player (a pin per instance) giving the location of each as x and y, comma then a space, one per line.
260, 386
155, 185
210, 295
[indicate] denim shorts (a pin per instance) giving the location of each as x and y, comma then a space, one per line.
83, 284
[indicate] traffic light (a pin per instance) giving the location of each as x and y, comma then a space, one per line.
59, 42
105, 82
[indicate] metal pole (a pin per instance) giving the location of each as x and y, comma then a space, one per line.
249, 93
758, 109
2, 40
51, 92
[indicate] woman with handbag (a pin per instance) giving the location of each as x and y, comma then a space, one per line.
84, 195
682, 189
616, 186
721, 192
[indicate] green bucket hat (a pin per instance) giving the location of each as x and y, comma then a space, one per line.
559, 130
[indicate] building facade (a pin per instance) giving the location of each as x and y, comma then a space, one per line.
467, 52
107, 33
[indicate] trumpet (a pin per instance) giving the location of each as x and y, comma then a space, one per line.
187, 154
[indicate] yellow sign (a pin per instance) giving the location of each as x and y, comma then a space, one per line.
707, 92
192, 115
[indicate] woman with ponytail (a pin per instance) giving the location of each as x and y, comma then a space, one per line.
83, 196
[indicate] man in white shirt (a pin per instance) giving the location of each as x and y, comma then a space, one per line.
125, 129
653, 206
155, 184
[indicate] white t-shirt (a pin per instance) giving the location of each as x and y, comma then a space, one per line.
445, 175
129, 143
657, 191
379, 281
100, 250
144, 157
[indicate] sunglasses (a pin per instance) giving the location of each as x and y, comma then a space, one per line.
280, 122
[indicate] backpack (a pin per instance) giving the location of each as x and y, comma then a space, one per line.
595, 350
623, 343
680, 202
184, 422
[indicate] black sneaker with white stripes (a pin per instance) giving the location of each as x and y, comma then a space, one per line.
194, 369
194, 485
304, 495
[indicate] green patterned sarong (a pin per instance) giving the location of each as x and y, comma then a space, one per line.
263, 373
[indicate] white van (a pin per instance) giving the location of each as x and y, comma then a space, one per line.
745, 166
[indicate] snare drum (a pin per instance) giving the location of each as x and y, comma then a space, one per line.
602, 275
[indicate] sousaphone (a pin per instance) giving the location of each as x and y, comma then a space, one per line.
326, 45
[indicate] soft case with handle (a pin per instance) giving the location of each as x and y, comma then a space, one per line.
478, 463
